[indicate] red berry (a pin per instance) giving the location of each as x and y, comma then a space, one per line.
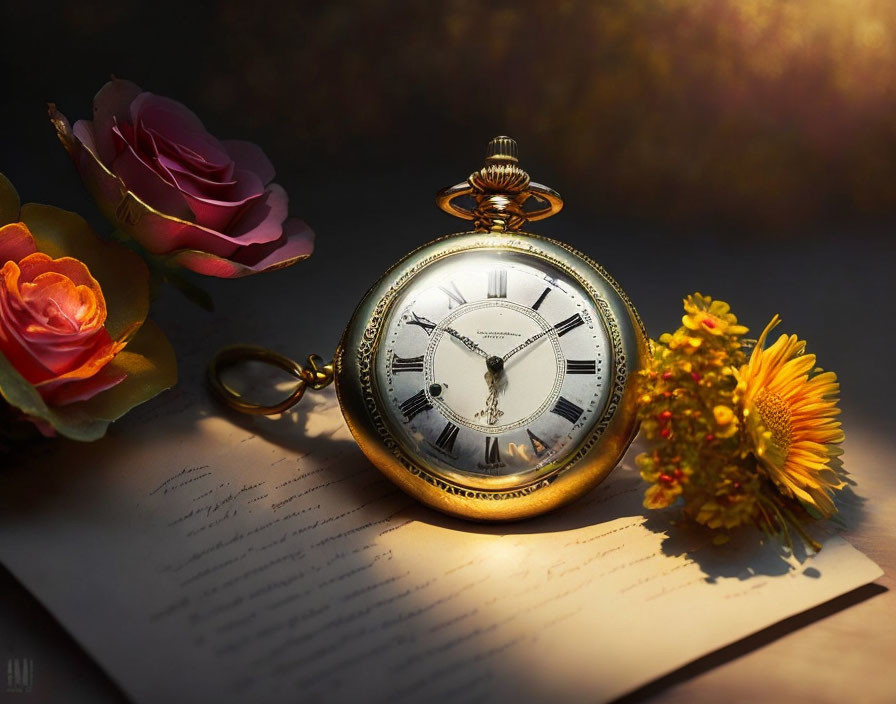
665, 415
667, 376
665, 432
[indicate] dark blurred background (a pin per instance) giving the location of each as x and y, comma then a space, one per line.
773, 114
743, 148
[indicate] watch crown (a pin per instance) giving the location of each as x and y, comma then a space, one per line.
502, 149
500, 191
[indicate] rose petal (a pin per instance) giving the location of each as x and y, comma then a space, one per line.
139, 176
220, 214
101, 354
263, 220
179, 157
200, 148
199, 154
121, 273
107, 190
13, 345
150, 367
162, 234
149, 364
39, 263
199, 185
250, 157
69, 420
16, 243
110, 106
157, 109
296, 244
83, 132
61, 313
84, 389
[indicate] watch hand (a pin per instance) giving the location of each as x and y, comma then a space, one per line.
525, 344
466, 341
491, 410
492, 375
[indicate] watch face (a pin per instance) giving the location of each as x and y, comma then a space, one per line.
492, 366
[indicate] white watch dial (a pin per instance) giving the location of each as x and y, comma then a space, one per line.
493, 364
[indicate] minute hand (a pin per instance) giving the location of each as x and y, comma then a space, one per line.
466, 341
525, 344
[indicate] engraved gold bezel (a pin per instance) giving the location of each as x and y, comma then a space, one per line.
498, 498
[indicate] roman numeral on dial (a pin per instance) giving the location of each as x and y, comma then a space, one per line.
539, 445
497, 283
455, 297
572, 322
492, 453
415, 404
423, 323
567, 409
544, 294
446, 439
581, 366
411, 364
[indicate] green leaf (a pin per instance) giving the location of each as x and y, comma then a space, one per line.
151, 367
19, 393
9, 202
149, 363
121, 273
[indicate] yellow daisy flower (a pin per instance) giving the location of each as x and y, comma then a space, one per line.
790, 409
708, 316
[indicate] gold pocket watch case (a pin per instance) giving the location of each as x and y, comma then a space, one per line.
490, 373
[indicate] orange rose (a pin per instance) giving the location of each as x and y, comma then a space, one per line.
52, 315
76, 350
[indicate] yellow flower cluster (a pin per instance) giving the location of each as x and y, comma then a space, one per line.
736, 440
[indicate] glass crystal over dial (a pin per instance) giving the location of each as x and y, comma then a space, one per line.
492, 364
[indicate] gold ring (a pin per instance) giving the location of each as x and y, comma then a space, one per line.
446, 197
235, 354
540, 192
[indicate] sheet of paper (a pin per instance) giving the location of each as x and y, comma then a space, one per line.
203, 556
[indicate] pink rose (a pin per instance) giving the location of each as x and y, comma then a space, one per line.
205, 204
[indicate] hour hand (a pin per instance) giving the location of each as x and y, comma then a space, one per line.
466, 341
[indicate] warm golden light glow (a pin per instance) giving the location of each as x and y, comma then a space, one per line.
764, 111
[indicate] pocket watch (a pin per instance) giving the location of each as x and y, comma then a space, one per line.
489, 373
